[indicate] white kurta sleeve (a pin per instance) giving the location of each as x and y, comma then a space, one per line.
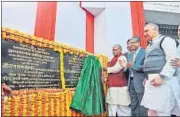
170, 49
117, 67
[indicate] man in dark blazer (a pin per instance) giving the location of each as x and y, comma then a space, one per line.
127, 54
136, 76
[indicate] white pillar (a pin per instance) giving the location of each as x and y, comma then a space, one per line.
112, 25
100, 41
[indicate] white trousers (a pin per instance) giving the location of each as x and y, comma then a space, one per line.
175, 86
162, 114
158, 98
120, 110
176, 110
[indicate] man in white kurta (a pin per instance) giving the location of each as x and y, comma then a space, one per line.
117, 96
158, 95
175, 82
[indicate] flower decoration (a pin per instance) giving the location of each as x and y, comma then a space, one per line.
43, 102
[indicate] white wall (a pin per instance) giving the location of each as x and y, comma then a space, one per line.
118, 25
70, 24
100, 42
112, 26
19, 15
171, 7
162, 17
162, 12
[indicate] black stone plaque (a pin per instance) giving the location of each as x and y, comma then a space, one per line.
72, 69
29, 67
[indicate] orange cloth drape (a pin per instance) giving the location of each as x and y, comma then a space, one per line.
45, 20
138, 21
89, 32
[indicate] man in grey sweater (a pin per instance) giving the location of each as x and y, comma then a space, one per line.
157, 95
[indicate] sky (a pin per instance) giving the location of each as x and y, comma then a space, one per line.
19, 15
71, 22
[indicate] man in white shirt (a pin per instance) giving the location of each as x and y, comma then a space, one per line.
176, 61
175, 82
117, 94
136, 76
158, 95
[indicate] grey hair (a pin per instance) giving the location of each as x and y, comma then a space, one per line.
119, 46
155, 26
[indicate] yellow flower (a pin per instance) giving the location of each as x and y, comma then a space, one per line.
62, 68
3, 35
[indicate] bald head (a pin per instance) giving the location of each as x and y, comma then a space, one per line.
151, 31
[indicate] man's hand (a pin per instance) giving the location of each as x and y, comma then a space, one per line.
122, 63
175, 62
152, 113
104, 68
144, 82
156, 81
6, 91
130, 64
104, 79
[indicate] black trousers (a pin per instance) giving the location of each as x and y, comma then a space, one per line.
136, 108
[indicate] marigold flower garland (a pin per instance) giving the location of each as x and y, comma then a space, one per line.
41, 102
